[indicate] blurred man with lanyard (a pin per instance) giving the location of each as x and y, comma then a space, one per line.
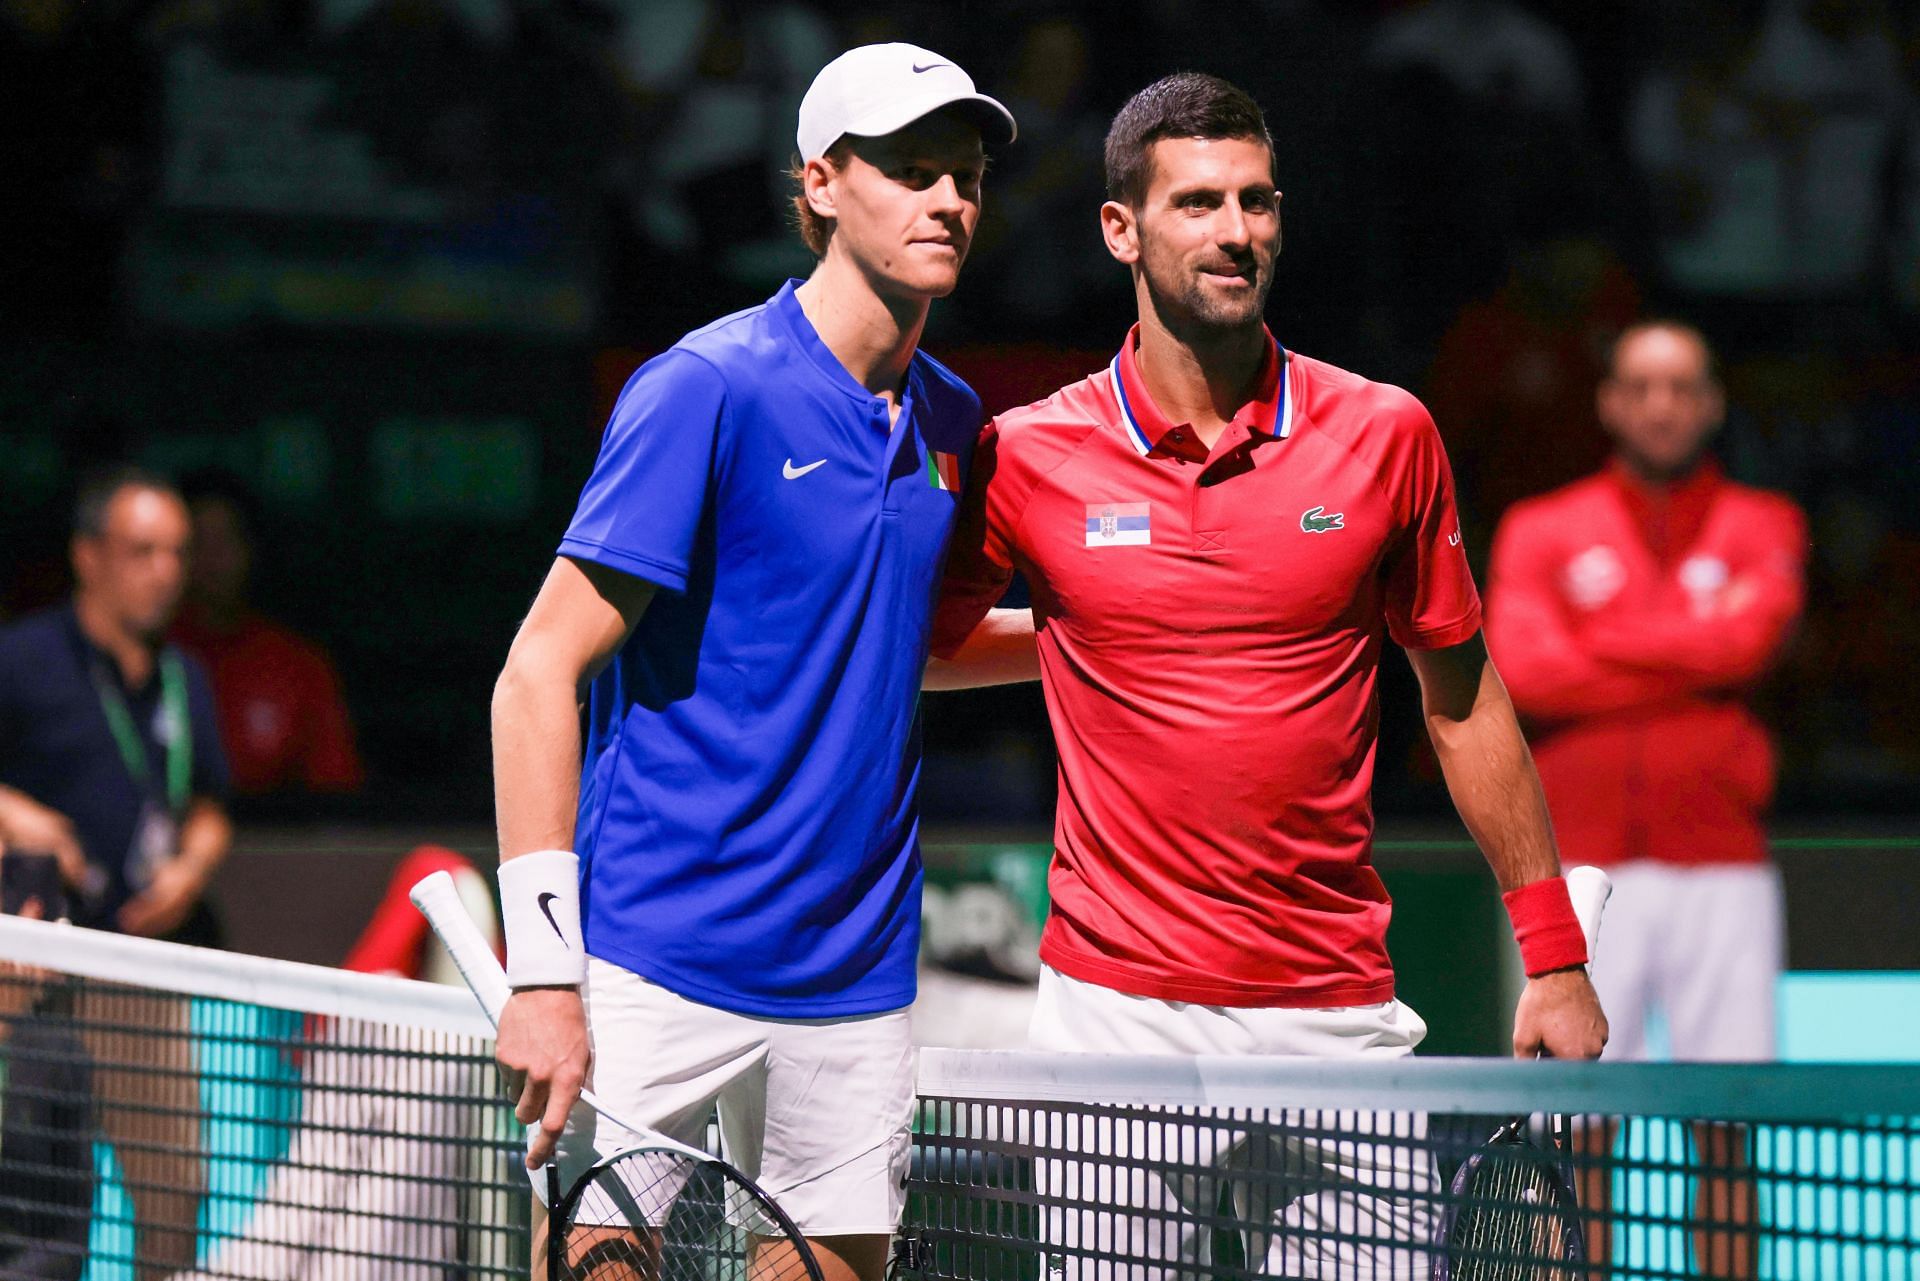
110, 756
743, 600
110, 760
1218, 535
1632, 613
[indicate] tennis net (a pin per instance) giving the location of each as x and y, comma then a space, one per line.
174, 1113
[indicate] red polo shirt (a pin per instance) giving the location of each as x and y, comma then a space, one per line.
1210, 626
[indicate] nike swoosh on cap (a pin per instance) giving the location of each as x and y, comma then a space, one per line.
794, 473
920, 70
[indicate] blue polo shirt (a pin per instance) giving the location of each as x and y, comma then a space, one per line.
747, 829
56, 746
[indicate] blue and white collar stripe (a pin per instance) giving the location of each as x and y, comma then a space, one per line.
1283, 412
1127, 420
1282, 417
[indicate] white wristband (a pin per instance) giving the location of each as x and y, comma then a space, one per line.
540, 906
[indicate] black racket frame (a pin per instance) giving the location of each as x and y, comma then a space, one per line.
1516, 1133
562, 1208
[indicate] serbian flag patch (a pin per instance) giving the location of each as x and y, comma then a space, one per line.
943, 471
1119, 525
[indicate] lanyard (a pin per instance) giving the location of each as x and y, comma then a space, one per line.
133, 751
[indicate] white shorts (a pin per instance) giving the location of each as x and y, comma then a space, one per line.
816, 1111
1363, 1204
1702, 945
1075, 1017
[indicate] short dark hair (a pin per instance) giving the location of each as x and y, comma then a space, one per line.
98, 489
223, 485
1673, 325
1187, 104
814, 229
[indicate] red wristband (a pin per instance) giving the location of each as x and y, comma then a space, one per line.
1545, 927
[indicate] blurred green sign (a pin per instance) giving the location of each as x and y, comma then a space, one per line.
477, 469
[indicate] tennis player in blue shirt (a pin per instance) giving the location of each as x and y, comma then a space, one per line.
715, 897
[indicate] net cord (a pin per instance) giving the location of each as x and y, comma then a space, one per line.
250, 980
1771, 1092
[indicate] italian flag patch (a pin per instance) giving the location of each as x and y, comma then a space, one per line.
943, 471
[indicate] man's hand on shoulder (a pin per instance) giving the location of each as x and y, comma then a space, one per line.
544, 1052
1559, 1016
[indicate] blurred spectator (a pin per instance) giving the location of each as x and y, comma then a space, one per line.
1512, 384
47, 1127
1770, 155
707, 189
109, 757
1830, 74
1492, 51
1482, 101
282, 717
1041, 254
1631, 614
110, 760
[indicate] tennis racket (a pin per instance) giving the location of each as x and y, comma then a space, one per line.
655, 1211
1512, 1214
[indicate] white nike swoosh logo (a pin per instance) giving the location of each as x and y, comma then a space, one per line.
795, 473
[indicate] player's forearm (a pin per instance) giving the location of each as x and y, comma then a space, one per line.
1490, 774
1000, 651
536, 755
206, 838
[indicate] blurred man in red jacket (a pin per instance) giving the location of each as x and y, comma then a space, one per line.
1631, 613
283, 717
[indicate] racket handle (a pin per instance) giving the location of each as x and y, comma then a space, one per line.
439, 901
1589, 887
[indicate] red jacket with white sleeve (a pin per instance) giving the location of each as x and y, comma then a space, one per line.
1630, 623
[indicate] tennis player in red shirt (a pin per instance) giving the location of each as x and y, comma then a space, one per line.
1220, 535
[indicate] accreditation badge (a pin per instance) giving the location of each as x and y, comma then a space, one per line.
156, 838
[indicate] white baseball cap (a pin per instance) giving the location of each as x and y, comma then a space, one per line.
878, 88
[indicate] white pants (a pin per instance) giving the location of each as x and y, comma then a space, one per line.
1342, 1194
816, 1111
1703, 945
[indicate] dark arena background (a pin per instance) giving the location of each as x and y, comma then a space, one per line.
376, 270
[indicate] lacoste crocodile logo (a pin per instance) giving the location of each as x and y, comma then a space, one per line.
1315, 521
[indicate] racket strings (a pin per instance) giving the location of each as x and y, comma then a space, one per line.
653, 1215
1514, 1222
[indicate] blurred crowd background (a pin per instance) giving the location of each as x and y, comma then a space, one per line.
370, 272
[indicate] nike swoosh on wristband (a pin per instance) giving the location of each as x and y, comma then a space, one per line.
795, 473
919, 70
547, 912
